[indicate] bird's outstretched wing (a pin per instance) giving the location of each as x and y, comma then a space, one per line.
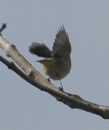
40, 50
62, 44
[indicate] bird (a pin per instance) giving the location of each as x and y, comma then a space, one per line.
56, 62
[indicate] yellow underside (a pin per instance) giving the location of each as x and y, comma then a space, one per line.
54, 69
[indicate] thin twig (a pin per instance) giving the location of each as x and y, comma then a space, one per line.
2, 27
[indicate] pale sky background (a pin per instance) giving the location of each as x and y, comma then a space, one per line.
24, 107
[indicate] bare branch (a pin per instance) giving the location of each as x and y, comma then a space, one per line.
12, 66
31, 75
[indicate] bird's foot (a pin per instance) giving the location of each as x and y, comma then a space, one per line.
61, 88
48, 79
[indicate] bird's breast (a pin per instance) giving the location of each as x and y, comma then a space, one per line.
57, 69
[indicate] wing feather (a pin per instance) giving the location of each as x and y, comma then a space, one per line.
62, 44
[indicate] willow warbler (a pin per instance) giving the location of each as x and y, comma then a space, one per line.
57, 63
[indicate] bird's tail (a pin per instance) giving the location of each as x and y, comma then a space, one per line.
40, 50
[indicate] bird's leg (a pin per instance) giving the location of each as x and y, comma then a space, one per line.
61, 88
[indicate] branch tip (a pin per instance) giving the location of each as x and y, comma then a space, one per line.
2, 27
